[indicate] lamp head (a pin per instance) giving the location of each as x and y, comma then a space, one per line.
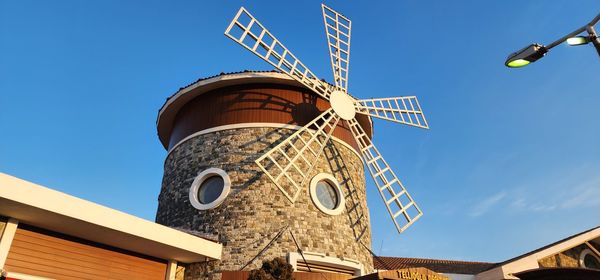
578, 40
525, 56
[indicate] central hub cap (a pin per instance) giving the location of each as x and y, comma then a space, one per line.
342, 104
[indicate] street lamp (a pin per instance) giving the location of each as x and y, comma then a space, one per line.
534, 52
525, 56
579, 40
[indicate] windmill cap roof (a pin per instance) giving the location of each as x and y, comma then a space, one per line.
172, 105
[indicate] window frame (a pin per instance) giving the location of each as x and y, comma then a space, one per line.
336, 186
200, 178
582, 256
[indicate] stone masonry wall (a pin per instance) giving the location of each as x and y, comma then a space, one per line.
568, 258
256, 210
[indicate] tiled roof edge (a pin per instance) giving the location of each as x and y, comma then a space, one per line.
214, 76
435, 260
441, 266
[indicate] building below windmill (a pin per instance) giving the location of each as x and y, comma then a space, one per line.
219, 216
41, 239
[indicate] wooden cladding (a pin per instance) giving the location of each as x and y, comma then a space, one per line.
38, 253
255, 103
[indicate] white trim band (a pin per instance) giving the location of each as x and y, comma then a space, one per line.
24, 276
6, 239
254, 125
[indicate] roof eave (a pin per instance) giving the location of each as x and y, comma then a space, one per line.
55, 211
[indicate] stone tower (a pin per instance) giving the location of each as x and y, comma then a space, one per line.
214, 130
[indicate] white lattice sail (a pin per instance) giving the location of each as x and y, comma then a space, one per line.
290, 162
400, 205
252, 35
405, 110
338, 30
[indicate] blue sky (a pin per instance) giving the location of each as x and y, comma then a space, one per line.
511, 162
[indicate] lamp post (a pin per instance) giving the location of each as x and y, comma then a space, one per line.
534, 52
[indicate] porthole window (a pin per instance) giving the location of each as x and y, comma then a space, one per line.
587, 259
210, 188
326, 194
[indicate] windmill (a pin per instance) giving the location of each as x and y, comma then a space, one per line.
289, 164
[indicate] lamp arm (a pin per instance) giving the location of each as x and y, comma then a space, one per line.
564, 38
594, 21
594, 37
579, 30
592, 32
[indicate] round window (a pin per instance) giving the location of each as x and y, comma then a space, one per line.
326, 194
209, 188
587, 259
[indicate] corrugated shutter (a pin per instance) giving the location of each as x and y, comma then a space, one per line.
39, 253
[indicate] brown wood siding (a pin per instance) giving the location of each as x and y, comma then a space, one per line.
255, 103
39, 253
243, 275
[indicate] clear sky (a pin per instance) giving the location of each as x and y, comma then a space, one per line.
511, 162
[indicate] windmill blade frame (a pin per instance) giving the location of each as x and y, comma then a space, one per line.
400, 205
338, 29
289, 164
258, 40
403, 109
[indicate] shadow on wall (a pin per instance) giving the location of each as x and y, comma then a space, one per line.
357, 214
257, 103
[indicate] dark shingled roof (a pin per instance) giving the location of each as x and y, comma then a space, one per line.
213, 76
440, 266
230, 73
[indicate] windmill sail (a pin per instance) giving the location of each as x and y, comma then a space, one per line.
338, 29
400, 205
405, 110
251, 34
290, 163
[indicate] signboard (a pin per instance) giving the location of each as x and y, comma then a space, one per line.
418, 273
